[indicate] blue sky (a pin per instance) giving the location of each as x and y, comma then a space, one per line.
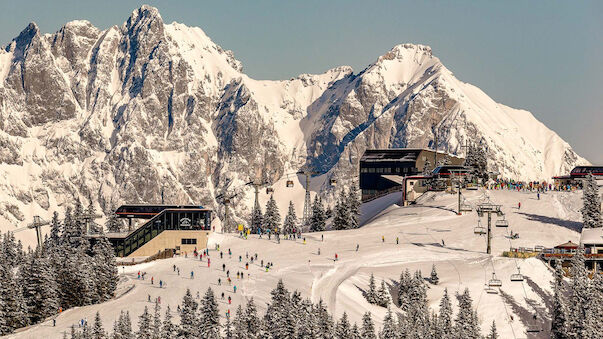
543, 56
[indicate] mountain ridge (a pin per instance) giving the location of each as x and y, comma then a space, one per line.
113, 115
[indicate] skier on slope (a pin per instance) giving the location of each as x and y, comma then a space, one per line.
382, 238
223, 267
229, 300
357, 247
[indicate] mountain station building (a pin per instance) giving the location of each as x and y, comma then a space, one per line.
166, 227
399, 169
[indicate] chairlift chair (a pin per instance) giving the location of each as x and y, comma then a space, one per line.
289, 183
533, 329
494, 282
517, 276
333, 182
480, 230
502, 222
466, 208
491, 290
269, 190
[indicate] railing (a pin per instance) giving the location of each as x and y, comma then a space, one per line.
383, 193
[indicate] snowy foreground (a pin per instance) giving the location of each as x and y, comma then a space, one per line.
461, 263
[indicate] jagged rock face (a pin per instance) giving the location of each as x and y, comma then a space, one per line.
123, 114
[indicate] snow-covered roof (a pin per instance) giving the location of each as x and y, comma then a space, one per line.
591, 236
568, 244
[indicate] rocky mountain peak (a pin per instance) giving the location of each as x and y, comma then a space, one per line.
24, 39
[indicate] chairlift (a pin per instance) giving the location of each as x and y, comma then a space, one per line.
289, 183
491, 290
269, 190
517, 277
466, 208
333, 182
533, 329
502, 222
479, 230
494, 282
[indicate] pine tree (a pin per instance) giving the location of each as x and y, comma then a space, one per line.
342, 328
105, 269
39, 287
371, 294
434, 275
156, 322
290, 222
240, 328
122, 329
354, 207
251, 320
319, 216
591, 211
403, 289
257, 219
113, 223
478, 160
307, 322
98, 332
279, 321
559, 308
209, 322
383, 298
355, 332
272, 217
168, 329
341, 219
324, 321
466, 325
368, 327
55, 231
189, 320
580, 298
228, 331
145, 327
389, 330
13, 310
493, 334
445, 316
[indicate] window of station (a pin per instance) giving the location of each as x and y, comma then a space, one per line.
185, 241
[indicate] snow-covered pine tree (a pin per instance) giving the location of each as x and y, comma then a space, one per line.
40, 289
189, 320
113, 224
427, 168
354, 206
466, 325
272, 217
355, 332
389, 330
580, 298
342, 328
371, 293
290, 222
478, 160
240, 329
367, 330
445, 317
591, 210
434, 275
228, 330
98, 332
319, 216
307, 322
103, 258
324, 321
55, 231
257, 220
341, 218
383, 298
417, 313
403, 289
493, 333
251, 320
168, 328
145, 325
209, 322
279, 322
122, 328
156, 321
12, 305
559, 308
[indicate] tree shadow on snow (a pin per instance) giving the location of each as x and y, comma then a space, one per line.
572, 225
542, 320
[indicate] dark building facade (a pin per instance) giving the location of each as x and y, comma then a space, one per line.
381, 170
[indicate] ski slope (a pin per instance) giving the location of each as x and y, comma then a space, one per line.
461, 263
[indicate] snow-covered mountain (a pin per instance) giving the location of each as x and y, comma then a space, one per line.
113, 115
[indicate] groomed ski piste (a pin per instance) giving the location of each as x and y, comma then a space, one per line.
461, 262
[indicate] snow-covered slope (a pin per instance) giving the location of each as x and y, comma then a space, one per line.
461, 263
114, 115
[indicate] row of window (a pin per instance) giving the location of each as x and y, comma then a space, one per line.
389, 170
188, 241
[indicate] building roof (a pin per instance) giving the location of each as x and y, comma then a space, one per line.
397, 154
568, 244
591, 236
